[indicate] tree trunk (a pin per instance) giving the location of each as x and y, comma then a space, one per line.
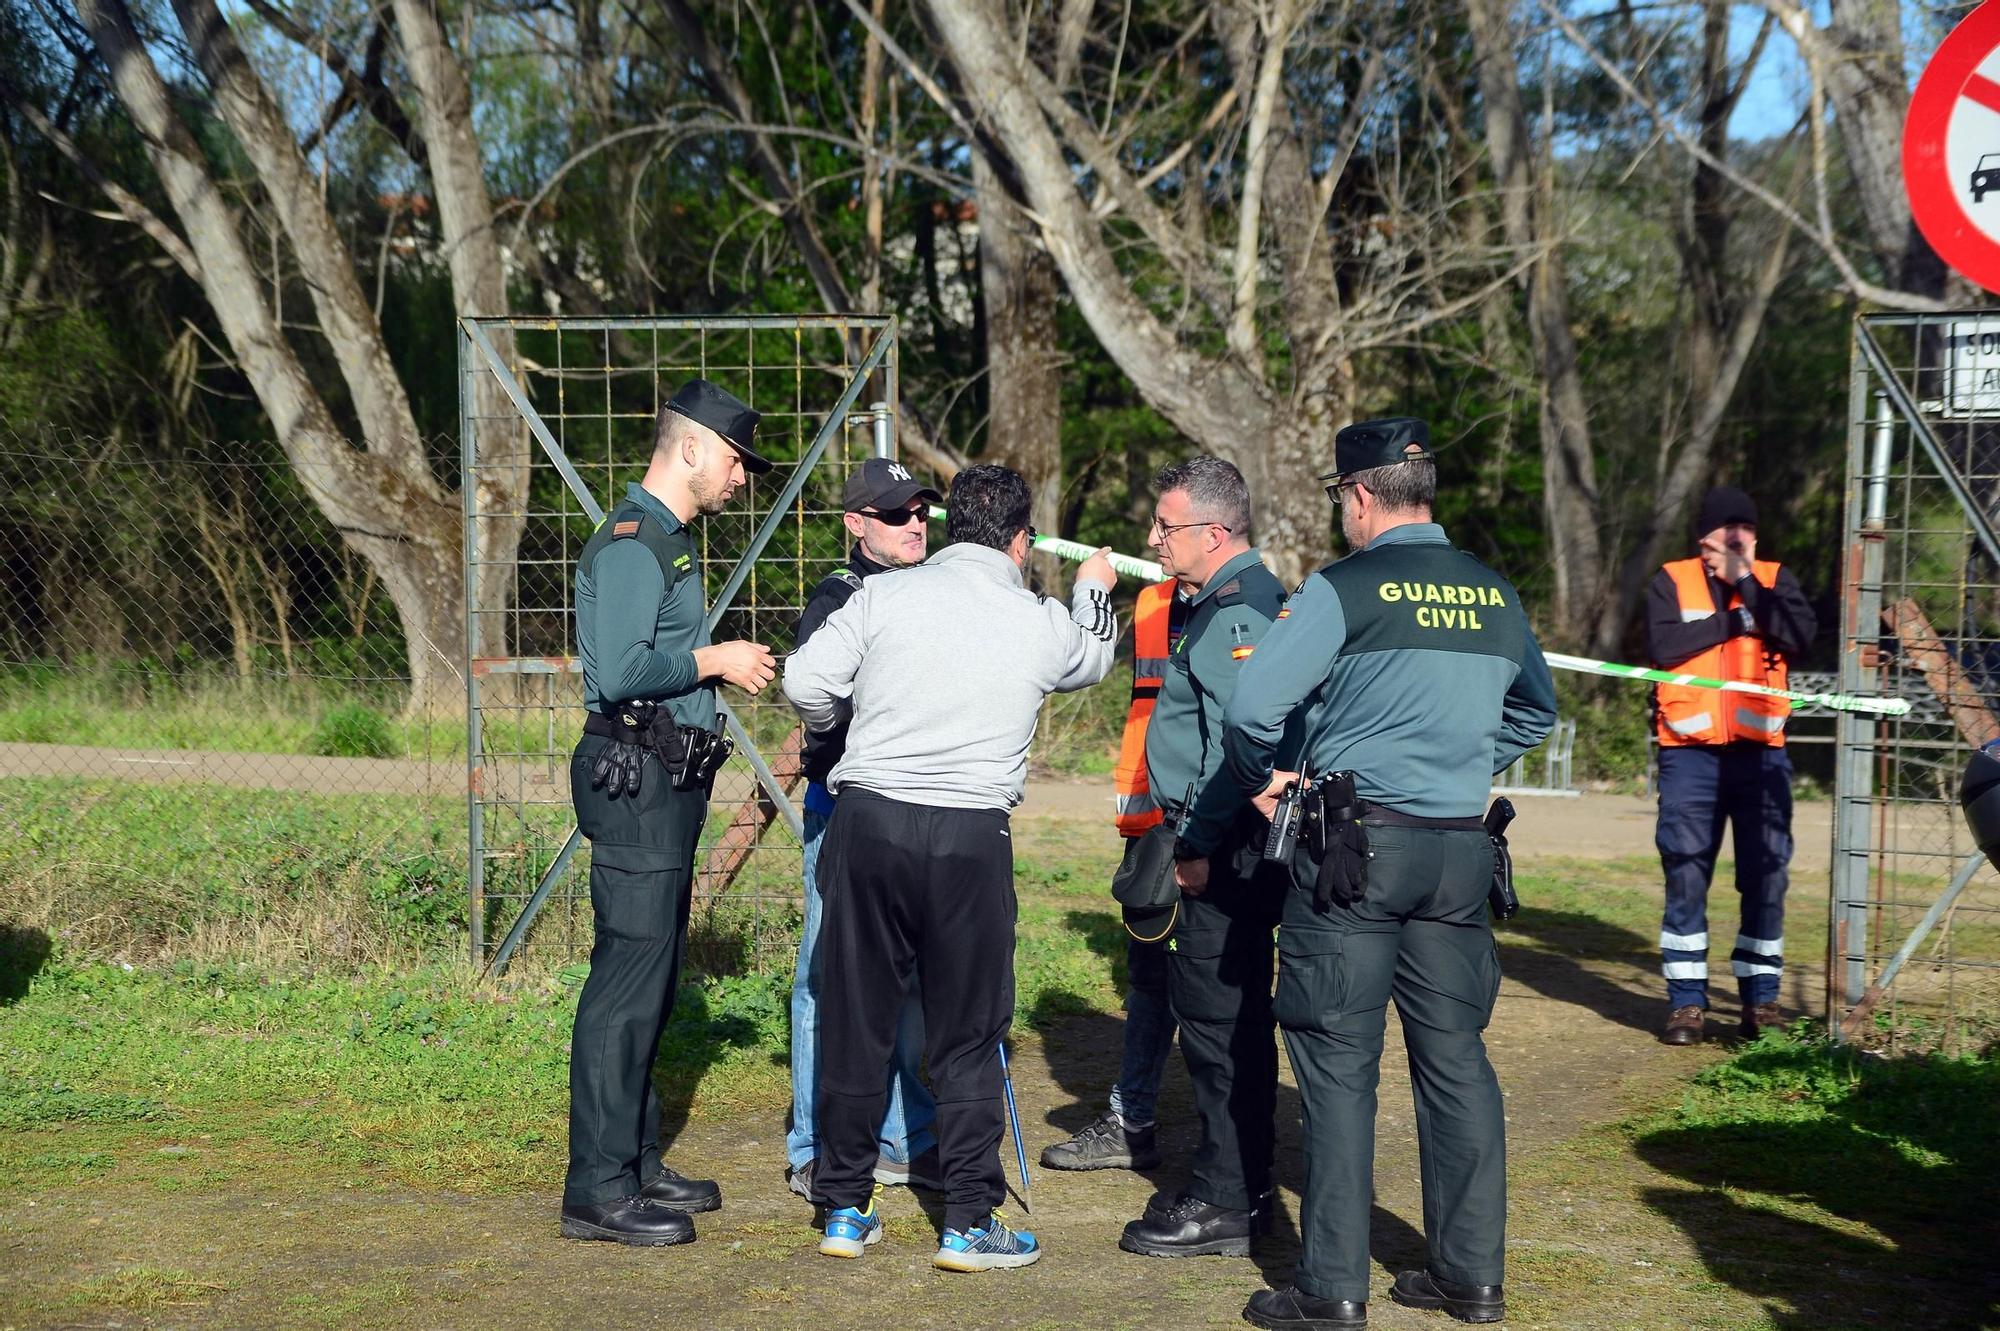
382, 498
1018, 287
1570, 499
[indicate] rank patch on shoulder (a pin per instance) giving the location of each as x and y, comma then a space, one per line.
629, 527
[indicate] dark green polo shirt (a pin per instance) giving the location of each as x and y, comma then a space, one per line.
637, 638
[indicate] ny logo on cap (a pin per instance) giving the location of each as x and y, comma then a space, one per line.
899, 471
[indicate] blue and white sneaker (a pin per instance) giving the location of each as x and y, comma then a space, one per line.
852, 1228
987, 1246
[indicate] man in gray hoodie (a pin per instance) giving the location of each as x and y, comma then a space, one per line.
940, 673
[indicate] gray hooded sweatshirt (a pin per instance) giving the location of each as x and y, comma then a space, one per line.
941, 669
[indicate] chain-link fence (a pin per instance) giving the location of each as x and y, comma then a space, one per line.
207, 741
1914, 948
559, 419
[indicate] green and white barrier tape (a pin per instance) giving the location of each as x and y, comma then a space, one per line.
1077, 551
1839, 702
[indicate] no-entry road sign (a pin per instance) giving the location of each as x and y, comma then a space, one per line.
1951, 148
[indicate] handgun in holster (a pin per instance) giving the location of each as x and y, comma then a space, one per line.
693, 756
1500, 897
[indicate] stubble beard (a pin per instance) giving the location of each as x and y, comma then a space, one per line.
709, 496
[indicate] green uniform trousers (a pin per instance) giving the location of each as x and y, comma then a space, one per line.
641, 879
1419, 934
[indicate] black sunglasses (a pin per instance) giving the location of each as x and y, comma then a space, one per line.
900, 517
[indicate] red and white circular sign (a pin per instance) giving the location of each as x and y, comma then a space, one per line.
1951, 148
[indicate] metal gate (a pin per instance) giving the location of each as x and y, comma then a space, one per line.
1913, 953
575, 399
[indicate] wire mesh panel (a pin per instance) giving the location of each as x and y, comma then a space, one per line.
1914, 946
582, 395
209, 743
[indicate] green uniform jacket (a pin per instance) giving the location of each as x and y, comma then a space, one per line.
635, 633
1225, 621
1416, 670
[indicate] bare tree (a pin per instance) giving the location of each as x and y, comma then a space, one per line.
381, 496
1238, 313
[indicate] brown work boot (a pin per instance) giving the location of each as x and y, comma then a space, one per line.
1763, 1017
1684, 1026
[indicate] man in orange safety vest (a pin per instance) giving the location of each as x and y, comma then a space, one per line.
1724, 614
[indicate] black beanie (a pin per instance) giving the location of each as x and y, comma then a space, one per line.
1723, 505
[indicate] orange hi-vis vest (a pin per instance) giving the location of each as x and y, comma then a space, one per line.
1690, 715
1152, 643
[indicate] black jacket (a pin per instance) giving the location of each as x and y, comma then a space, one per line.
1780, 616
823, 750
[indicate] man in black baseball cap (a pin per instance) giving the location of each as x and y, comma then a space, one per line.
888, 512
717, 409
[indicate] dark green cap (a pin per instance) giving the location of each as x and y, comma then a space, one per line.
1368, 444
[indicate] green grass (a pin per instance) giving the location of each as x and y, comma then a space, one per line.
419, 1073
1795, 1155
204, 709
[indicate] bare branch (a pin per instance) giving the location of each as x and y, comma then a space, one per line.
1822, 238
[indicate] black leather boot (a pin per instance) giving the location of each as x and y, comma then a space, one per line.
1292, 1309
1191, 1227
677, 1192
636, 1220
1468, 1303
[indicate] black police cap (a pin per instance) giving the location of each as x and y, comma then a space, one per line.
1381, 443
723, 412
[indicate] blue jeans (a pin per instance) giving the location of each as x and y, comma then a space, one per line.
1702, 787
1149, 1032
907, 1122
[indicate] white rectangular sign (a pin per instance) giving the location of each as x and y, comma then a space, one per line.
1972, 367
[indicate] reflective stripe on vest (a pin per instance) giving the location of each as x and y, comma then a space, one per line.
1689, 715
1152, 633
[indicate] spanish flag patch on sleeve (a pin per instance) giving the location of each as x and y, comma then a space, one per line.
1238, 653
1285, 612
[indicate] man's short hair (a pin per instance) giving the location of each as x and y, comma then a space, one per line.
668, 426
989, 505
1215, 490
1402, 486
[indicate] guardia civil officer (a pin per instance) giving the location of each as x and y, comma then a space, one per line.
1412, 667
1219, 958
640, 779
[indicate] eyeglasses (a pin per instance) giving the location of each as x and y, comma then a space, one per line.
1333, 491
899, 517
1165, 529
1033, 535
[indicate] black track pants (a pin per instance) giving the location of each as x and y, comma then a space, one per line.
908, 888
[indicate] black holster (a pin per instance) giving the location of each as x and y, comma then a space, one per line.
1337, 841
1500, 897
690, 755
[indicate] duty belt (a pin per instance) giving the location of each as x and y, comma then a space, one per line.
1385, 817
691, 755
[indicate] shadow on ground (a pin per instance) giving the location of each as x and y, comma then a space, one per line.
23, 953
1084, 1051
1547, 951
1906, 1149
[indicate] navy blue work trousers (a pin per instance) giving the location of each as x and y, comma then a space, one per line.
1748, 786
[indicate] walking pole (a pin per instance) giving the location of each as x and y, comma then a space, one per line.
1014, 1117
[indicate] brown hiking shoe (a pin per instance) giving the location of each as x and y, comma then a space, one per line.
1763, 1017
1684, 1026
